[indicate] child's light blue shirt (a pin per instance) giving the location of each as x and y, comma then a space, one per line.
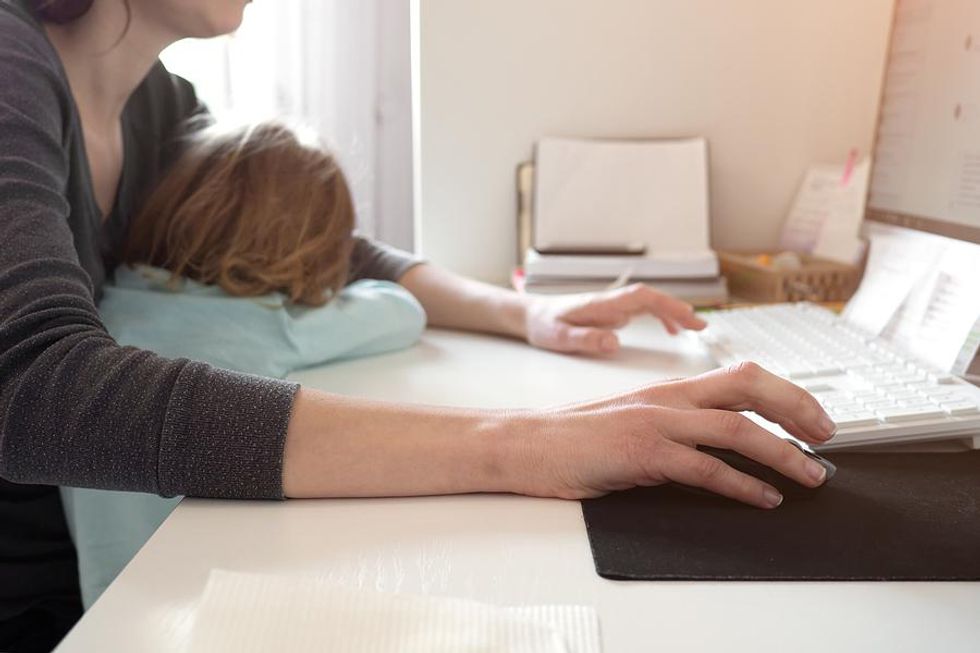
263, 335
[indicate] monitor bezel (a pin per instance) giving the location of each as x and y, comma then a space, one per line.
932, 225
945, 228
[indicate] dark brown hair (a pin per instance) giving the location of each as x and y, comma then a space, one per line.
253, 210
62, 11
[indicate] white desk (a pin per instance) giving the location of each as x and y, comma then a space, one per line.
506, 549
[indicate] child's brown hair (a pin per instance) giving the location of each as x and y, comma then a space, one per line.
252, 210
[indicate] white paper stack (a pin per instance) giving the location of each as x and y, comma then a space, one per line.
694, 277
682, 265
647, 196
251, 612
609, 194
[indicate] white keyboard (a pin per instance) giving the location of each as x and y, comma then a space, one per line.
874, 392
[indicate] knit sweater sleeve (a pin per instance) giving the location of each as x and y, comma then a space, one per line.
372, 259
75, 407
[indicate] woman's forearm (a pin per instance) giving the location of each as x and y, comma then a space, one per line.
454, 302
341, 446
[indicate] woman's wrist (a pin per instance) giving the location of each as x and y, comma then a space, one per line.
515, 444
512, 309
454, 302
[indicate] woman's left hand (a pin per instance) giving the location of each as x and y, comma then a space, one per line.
586, 323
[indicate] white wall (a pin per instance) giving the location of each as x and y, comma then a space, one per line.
773, 85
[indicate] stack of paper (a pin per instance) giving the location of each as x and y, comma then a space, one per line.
610, 194
682, 265
622, 210
250, 612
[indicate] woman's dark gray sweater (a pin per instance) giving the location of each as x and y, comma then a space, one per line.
76, 408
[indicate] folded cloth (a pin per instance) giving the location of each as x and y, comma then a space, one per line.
253, 612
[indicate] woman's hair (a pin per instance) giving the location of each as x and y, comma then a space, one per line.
62, 11
253, 210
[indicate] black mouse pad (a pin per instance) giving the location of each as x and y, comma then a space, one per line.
893, 516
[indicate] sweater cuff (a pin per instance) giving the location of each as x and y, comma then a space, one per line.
224, 435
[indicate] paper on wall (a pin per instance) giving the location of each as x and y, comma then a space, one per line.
802, 226
827, 213
838, 238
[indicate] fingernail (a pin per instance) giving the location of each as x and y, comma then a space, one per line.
773, 498
815, 471
827, 426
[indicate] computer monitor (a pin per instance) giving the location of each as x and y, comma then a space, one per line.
927, 148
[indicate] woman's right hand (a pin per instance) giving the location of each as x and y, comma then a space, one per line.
649, 437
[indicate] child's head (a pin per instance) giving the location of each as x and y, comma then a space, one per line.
253, 210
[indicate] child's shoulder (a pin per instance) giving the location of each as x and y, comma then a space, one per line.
377, 291
148, 278
366, 300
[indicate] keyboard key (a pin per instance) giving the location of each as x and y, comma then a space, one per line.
943, 397
880, 403
906, 414
869, 395
891, 369
800, 373
827, 370
961, 408
923, 386
905, 394
815, 388
847, 408
891, 385
911, 377
856, 419
916, 405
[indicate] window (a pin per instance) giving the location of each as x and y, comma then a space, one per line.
340, 67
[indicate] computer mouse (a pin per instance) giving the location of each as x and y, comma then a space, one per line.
789, 488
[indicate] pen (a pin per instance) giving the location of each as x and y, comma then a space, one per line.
621, 280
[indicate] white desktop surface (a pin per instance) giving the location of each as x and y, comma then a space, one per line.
507, 550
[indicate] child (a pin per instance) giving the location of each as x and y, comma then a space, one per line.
239, 259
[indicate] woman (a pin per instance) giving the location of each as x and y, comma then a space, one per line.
88, 120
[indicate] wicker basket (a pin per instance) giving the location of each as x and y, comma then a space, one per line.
817, 280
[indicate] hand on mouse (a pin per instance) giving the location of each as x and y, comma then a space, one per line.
649, 437
586, 323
